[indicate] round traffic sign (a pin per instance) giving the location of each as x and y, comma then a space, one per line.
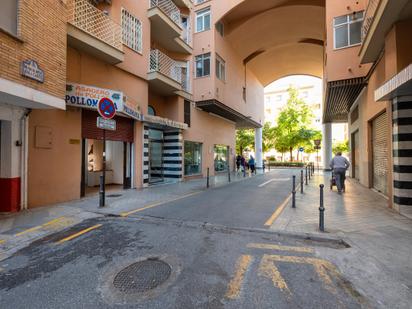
301, 149
106, 108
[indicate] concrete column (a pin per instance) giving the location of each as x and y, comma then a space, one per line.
327, 144
259, 148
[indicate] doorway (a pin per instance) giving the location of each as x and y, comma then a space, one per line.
355, 155
156, 170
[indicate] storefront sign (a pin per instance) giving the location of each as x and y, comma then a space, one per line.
88, 97
31, 69
164, 122
106, 124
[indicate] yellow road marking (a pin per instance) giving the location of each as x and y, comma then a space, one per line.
79, 233
235, 284
2, 241
125, 214
39, 226
278, 211
278, 247
268, 269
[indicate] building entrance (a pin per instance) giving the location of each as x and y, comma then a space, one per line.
156, 168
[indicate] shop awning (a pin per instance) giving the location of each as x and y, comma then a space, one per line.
340, 95
218, 108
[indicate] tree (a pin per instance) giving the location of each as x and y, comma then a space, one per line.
342, 146
293, 124
268, 137
245, 138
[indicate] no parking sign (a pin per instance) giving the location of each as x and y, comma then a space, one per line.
106, 108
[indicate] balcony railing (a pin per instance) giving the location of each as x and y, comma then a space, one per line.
93, 21
169, 8
187, 36
165, 65
369, 17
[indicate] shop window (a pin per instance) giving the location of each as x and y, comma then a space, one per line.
187, 112
220, 68
8, 16
221, 158
203, 20
131, 31
203, 65
347, 30
151, 111
193, 158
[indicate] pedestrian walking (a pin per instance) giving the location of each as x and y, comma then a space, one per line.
238, 161
243, 165
252, 165
339, 165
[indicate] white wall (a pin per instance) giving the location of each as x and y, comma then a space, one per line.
114, 160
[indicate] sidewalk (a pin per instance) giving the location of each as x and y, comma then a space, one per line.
379, 261
18, 230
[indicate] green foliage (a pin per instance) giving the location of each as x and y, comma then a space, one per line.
268, 137
245, 139
342, 147
293, 125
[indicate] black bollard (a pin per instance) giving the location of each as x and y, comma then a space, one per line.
101, 192
301, 181
309, 172
321, 210
228, 174
306, 175
294, 191
207, 178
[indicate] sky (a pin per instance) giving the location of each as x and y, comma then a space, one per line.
294, 80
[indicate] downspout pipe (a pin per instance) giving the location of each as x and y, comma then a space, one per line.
24, 120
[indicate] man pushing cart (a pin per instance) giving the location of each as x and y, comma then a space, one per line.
339, 165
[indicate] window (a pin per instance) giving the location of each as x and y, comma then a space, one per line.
131, 31
347, 30
220, 68
151, 111
200, 1
203, 20
203, 65
305, 94
187, 112
278, 98
221, 158
193, 158
8, 16
220, 28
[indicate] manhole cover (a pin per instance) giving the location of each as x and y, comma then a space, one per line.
114, 195
142, 276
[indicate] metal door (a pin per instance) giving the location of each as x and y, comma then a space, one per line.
155, 156
380, 153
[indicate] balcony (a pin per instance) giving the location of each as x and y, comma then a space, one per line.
166, 26
165, 74
380, 16
92, 31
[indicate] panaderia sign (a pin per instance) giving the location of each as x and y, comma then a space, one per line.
88, 97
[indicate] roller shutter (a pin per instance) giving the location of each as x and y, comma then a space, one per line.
124, 128
380, 153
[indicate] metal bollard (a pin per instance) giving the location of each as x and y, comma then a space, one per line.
101, 192
207, 178
306, 175
321, 210
309, 172
294, 191
228, 174
301, 181
313, 168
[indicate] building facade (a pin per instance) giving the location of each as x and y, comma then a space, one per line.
179, 89
368, 84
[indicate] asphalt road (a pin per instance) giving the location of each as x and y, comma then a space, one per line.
213, 265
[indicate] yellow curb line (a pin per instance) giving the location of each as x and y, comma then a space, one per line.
125, 214
278, 211
278, 247
39, 226
79, 233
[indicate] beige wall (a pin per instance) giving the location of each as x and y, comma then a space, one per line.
342, 63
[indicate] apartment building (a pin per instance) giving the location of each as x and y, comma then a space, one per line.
178, 87
32, 78
368, 75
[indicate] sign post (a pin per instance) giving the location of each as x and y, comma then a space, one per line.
107, 111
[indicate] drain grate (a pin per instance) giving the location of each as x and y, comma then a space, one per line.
142, 276
114, 195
